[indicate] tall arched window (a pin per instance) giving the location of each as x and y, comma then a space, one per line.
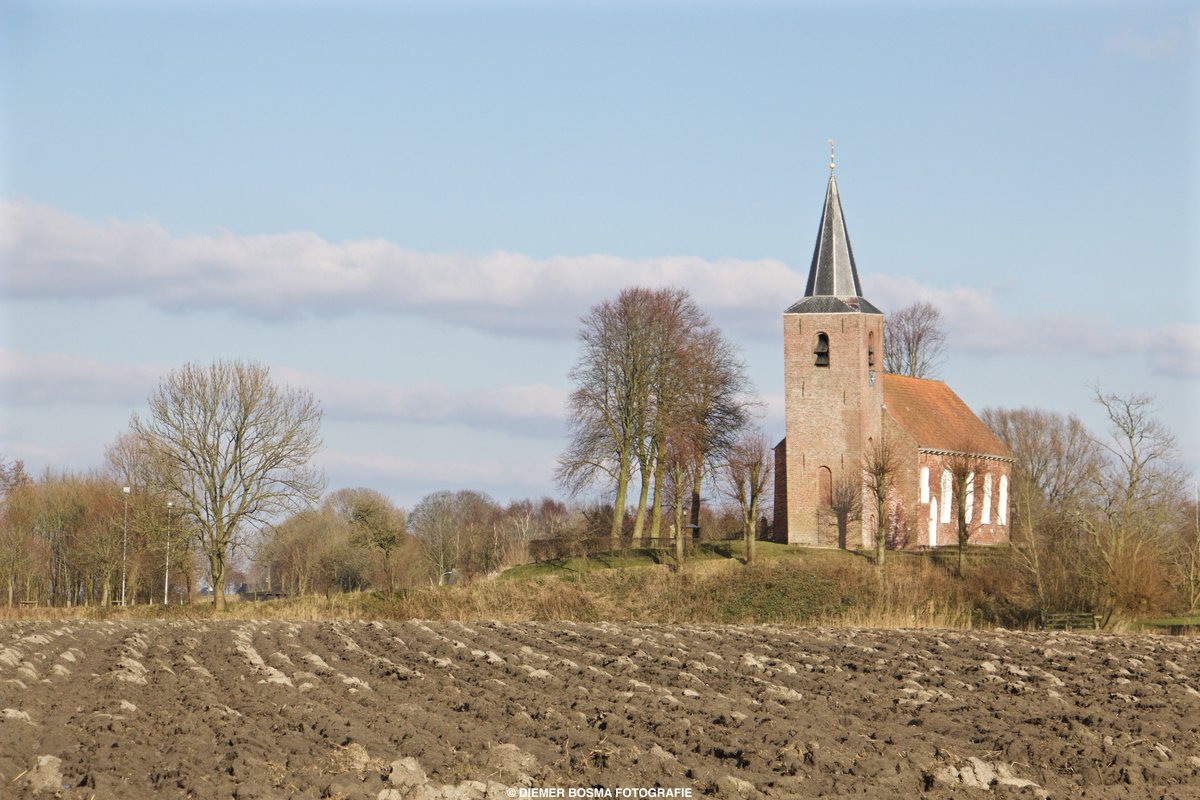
970, 492
947, 490
822, 350
825, 486
985, 516
871, 348
1002, 504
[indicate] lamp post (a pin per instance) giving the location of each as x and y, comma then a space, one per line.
167, 572
125, 545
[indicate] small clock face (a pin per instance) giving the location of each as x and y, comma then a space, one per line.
871, 377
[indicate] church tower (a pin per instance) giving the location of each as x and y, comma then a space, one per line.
833, 370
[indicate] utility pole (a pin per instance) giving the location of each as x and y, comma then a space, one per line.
167, 572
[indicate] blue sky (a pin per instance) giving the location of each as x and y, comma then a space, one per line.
406, 207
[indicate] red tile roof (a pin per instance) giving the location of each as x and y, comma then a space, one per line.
938, 418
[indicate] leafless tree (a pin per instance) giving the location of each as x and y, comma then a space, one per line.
845, 505
1138, 492
607, 410
1056, 461
375, 524
719, 405
746, 478
914, 341
234, 448
648, 359
12, 476
679, 457
18, 546
881, 464
964, 465
296, 554
1184, 552
455, 529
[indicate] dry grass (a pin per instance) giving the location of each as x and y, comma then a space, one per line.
793, 591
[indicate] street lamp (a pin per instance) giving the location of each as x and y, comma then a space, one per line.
167, 573
125, 545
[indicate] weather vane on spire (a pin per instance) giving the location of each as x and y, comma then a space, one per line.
831, 161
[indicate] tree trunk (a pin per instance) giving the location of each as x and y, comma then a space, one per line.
678, 526
751, 538
697, 483
880, 534
656, 503
216, 562
677, 508
618, 522
639, 520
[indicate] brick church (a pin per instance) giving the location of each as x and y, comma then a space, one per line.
843, 413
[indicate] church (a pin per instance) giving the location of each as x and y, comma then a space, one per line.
844, 417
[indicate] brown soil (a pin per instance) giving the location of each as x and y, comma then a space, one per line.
396, 710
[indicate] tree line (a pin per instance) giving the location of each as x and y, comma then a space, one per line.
1105, 523
215, 482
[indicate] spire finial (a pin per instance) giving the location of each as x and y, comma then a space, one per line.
832, 164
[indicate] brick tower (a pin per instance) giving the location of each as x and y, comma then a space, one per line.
833, 367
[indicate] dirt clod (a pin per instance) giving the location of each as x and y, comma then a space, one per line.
447, 711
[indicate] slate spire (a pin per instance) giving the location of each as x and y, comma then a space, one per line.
833, 275
833, 271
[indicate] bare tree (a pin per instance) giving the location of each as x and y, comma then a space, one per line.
719, 405
234, 447
746, 477
295, 554
845, 504
23, 554
12, 476
608, 408
1184, 552
881, 464
914, 341
647, 360
963, 466
455, 529
1056, 461
375, 524
679, 458
1138, 492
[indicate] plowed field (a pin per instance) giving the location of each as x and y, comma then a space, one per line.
396, 710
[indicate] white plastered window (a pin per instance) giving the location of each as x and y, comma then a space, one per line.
970, 496
985, 515
947, 490
1002, 502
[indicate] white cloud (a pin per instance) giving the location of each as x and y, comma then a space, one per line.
446, 473
534, 409
976, 324
58, 379
51, 254
1174, 350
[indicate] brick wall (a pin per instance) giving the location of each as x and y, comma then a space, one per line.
994, 531
832, 413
